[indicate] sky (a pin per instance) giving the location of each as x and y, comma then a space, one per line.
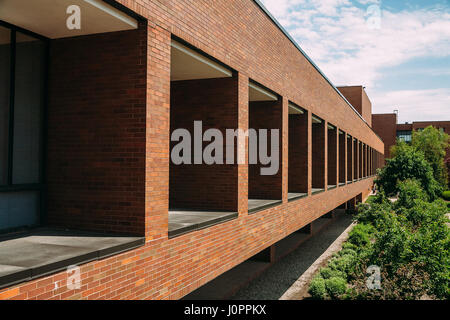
398, 50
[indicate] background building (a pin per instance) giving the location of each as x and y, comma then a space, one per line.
386, 126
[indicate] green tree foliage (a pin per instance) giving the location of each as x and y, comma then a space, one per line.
408, 240
407, 163
433, 143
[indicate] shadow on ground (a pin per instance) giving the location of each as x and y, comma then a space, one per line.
274, 282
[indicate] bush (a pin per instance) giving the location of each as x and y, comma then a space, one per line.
348, 251
343, 263
328, 273
410, 190
317, 288
407, 163
433, 143
446, 195
360, 235
336, 286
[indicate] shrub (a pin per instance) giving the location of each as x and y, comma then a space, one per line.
348, 245
348, 251
410, 190
360, 235
433, 143
336, 286
343, 263
446, 195
317, 288
407, 163
328, 273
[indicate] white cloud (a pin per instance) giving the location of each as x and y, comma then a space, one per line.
415, 105
337, 36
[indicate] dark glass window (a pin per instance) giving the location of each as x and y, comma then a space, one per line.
22, 91
5, 75
404, 135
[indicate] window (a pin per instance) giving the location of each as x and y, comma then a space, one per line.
22, 81
404, 135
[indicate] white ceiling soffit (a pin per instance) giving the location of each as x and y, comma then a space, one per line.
293, 109
331, 127
187, 64
316, 120
257, 93
49, 17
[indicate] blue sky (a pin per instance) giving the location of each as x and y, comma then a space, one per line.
398, 50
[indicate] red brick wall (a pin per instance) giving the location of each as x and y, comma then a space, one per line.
265, 115
357, 96
96, 132
385, 125
298, 153
215, 103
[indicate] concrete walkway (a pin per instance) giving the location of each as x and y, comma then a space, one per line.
278, 278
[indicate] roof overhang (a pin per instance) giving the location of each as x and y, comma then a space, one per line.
188, 64
316, 120
293, 109
49, 18
258, 93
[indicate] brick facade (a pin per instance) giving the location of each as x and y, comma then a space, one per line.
298, 153
96, 132
171, 268
203, 186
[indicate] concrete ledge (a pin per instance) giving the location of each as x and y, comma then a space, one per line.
295, 196
186, 221
317, 190
256, 205
42, 252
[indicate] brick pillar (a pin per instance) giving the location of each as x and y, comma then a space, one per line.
284, 149
349, 144
342, 158
158, 137
243, 125
309, 152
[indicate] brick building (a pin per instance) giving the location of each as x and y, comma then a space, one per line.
85, 142
386, 126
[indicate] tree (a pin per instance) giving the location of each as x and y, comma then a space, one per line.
407, 163
433, 143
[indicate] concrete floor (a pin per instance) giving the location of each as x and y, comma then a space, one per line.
183, 221
27, 256
243, 281
279, 277
317, 190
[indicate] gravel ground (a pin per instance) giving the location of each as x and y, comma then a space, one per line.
274, 282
